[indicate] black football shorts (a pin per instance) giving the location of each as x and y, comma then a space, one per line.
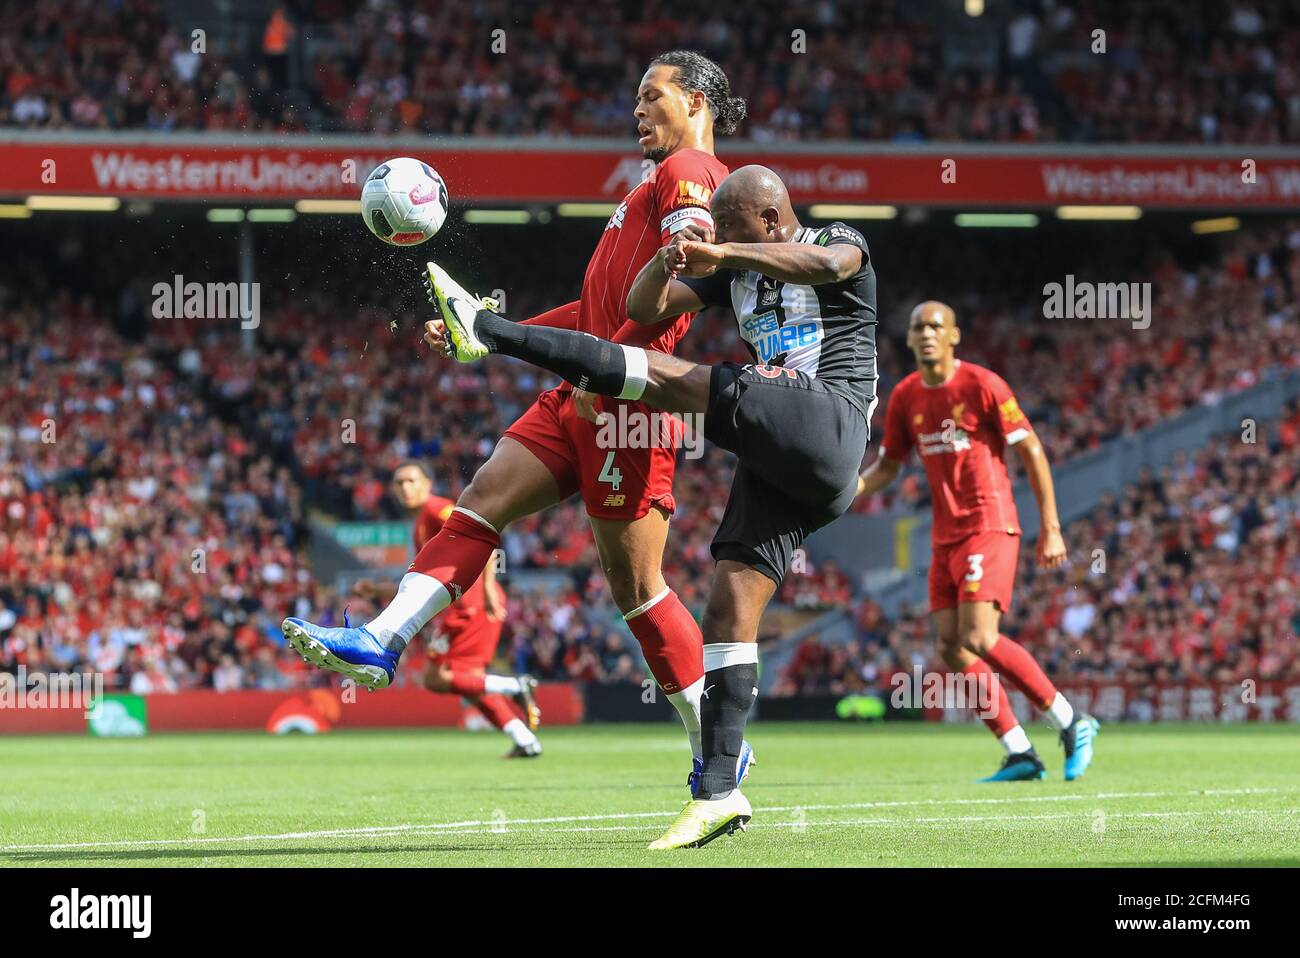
800, 446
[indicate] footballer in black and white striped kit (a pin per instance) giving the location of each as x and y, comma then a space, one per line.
797, 418
826, 330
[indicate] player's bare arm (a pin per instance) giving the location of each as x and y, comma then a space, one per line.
656, 293
878, 475
800, 263
1051, 545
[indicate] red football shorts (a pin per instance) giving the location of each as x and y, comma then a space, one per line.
979, 568
470, 645
618, 480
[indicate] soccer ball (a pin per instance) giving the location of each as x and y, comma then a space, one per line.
404, 201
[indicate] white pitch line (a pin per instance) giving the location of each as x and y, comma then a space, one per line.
855, 822
478, 826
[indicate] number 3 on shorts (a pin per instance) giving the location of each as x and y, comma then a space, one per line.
609, 474
976, 570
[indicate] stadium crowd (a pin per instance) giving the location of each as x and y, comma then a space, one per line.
155, 487
1033, 70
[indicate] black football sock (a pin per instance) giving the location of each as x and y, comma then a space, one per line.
729, 693
596, 365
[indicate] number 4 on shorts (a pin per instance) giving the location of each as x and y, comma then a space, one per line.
609, 474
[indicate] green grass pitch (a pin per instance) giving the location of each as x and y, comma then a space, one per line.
823, 795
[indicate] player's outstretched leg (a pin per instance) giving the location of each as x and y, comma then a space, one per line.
471, 331
444, 569
512, 483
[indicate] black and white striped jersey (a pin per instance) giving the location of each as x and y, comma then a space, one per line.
827, 331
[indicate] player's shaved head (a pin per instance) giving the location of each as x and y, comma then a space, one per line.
752, 205
749, 188
933, 309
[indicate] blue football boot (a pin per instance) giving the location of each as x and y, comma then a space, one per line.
1077, 740
1019, 767
742, 768
351, 652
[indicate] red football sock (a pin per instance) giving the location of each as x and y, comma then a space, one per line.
671, 643
469, 684
1014, 661
496, 710
457, 555
1003, 719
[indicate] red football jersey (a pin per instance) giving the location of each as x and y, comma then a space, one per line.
960, 429
436, 511
674, 195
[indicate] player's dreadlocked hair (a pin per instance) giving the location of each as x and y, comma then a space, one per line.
697, 73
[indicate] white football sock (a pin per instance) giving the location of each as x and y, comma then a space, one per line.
1015, 741
501, 685
719, 655
636, 370
687, 703
419, 598
1060, 713
519, 733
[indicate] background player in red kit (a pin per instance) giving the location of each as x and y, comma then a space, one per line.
550, 452
462, 643
960, 418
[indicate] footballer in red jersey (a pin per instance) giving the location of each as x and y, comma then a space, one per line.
551, 452
960, 419
462, 643
623, 484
